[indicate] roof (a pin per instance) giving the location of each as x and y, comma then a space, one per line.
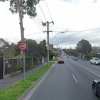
5, 43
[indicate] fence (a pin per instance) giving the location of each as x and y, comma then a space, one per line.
15, 65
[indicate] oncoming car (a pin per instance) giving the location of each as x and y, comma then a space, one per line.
96, 87
60, 61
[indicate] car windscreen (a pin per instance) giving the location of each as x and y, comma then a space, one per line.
60, 59
96, 59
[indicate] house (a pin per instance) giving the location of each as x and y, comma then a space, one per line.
51, 47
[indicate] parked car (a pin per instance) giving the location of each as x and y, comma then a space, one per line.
96, 87
95, 60
60, 61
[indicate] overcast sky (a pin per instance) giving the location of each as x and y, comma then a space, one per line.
73, 20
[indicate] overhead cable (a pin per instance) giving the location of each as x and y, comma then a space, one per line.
77, 31
48, 9
42, 11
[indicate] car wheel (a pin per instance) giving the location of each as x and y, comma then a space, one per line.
94, 90
94, 63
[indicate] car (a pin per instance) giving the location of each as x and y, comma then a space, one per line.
74, 58
96, 87
60, 61
95, 60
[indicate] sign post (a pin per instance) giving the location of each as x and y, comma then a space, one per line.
23, 46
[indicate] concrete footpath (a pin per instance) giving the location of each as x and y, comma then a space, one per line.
4, 83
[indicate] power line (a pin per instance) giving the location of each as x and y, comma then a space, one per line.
39, 18
55, 36
38, 25
34, 33
42, 11
48, 9
26, 35
76, 31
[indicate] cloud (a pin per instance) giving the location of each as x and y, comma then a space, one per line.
94, 1
71, 1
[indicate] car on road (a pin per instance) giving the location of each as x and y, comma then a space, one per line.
74, 58
96, 87
60, 61
95, 60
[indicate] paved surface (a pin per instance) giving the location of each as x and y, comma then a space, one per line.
69, 81
4, 83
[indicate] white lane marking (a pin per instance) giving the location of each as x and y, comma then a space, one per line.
74, 78
88, 70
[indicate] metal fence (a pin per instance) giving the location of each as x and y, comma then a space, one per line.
14, 65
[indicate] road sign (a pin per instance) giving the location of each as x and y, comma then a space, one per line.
22, 45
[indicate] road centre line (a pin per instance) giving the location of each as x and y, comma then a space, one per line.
74, 78
87, 69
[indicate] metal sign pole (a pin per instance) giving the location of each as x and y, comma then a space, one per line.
24, 64
23, 47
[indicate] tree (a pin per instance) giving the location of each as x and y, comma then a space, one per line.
71, 52
42, 49
43, 42
84, 47
51, 54
23, 7
32, 48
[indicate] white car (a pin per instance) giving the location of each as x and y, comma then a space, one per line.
95, 60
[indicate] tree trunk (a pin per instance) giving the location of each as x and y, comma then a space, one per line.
20, 10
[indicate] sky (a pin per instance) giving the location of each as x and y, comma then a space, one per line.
73, 20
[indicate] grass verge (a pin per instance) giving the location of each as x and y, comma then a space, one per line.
14, 91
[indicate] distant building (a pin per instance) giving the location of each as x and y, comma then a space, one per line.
51, 47
3, 43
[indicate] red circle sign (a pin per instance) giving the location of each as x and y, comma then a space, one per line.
22, 45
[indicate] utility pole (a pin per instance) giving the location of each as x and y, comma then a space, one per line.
48, 43
44, 24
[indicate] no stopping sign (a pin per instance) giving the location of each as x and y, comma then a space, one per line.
22, 45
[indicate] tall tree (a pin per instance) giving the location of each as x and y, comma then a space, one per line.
84, 47
23, 7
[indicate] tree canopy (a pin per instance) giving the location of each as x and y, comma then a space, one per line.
27, 6
84, 47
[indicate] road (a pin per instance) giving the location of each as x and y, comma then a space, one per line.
69, 81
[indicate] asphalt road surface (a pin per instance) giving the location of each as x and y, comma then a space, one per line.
69, 81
